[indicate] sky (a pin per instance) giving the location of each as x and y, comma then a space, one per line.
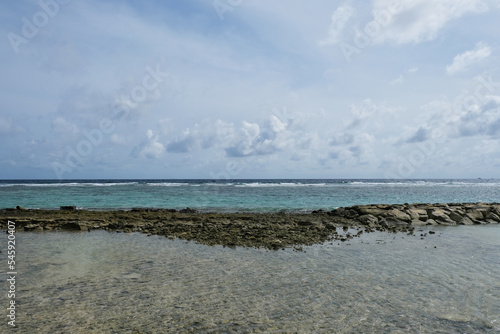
226, 89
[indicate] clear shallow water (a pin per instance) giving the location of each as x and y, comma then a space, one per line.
100, 282
241, 195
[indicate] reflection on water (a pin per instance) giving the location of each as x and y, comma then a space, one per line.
102, 282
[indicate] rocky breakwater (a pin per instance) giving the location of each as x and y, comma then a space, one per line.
396, 216
269, 230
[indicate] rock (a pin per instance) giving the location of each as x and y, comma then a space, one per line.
456, 217
20, 208
345, 212
74, 226
368, 210
330, 226
188, 210
466, 221
368, 219
475, 214
418, 223
312, 223
398, 215
493, 216
441, 217
413, 215
417, 214
431, 222
496, 210
67, 208
31, 227
391, 221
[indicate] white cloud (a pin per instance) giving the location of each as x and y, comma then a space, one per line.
151, 148
61, 125
419, 21
462, 61
399, 80
338, 21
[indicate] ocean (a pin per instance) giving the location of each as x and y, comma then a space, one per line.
106, 282
241, 195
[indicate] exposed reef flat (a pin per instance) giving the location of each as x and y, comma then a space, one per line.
269, 230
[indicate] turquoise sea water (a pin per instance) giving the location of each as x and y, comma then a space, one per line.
241, 195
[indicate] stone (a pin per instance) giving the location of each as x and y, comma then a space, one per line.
418, 223
466, 221
369, 210
330, 226
493, 216
431, 222
31, 227
368, 219
67, 208
74, 226
456, 217
397, 214
188, 210
496, 210
391, 221
441, 216
413, 215
418, 214
475, 214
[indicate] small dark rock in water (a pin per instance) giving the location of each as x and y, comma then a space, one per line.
68, 208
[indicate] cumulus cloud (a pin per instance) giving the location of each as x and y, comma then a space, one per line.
150, 148
338, 21
462, 61
420, 20
202, 136
482, 121
479, 120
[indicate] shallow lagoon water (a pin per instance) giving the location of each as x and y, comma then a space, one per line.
101, 282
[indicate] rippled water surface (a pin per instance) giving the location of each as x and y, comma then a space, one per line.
100, 282
241, 195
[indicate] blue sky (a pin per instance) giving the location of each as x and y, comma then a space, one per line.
250, 89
